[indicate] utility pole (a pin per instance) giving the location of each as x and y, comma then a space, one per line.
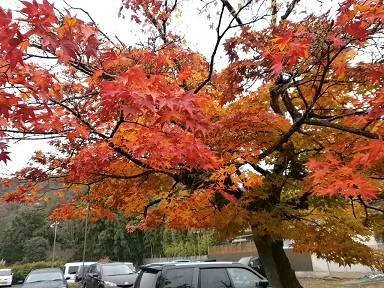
85, 235
86, 228
54, 225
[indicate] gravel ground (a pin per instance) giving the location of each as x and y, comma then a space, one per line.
341, 283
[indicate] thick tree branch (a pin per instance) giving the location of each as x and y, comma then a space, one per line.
139, 163
274, 11
89, 70
219, 38
303, 118
232, 11
119, 122
343, 128
335, 117
290, 8
211, 64
126, 177
366, 206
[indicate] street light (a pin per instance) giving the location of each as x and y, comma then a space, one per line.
54, 225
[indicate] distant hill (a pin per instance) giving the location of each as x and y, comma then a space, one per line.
8, 211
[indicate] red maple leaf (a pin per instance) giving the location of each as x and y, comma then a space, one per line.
3, 153
356, 29
68, 50
337, 41
277, 65
5, 17
16, 41
91, 46
375, 75
282, 41
39, 13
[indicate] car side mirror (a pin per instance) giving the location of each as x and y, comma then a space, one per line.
264, 283
67, 278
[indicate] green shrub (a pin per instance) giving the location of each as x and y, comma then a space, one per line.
74, 285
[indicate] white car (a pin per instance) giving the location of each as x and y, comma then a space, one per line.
71, 268
6, 276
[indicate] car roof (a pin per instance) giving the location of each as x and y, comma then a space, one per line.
79, 263
44, 270
210, 264
6, 269
111, 263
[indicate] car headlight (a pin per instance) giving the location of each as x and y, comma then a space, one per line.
110, 284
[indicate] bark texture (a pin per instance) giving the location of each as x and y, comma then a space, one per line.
275, 262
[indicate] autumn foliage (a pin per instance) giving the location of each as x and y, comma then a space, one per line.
286, 139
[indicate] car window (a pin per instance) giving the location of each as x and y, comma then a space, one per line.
214, 278
178, 278
72, 269
92, 269
147, 279
243, 278
81, 268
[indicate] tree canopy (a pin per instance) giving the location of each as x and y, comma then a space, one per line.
286, 139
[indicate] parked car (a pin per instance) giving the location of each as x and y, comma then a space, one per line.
199, 274
254, 262
105, 275
45, 278
82, 270
70, 269
6, 277
130, 265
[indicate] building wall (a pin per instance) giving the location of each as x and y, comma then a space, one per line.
321, 265
233, 252
301, 262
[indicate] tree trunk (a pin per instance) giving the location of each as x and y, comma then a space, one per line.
275, 262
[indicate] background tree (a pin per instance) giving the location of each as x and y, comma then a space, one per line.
153, 240
35, 249
287, 139
30, 223
108, 237
187, 242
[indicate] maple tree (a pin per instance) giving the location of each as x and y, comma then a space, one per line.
286, 139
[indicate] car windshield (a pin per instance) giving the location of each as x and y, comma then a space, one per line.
130, 265
5, 272
44, 276
110, 270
